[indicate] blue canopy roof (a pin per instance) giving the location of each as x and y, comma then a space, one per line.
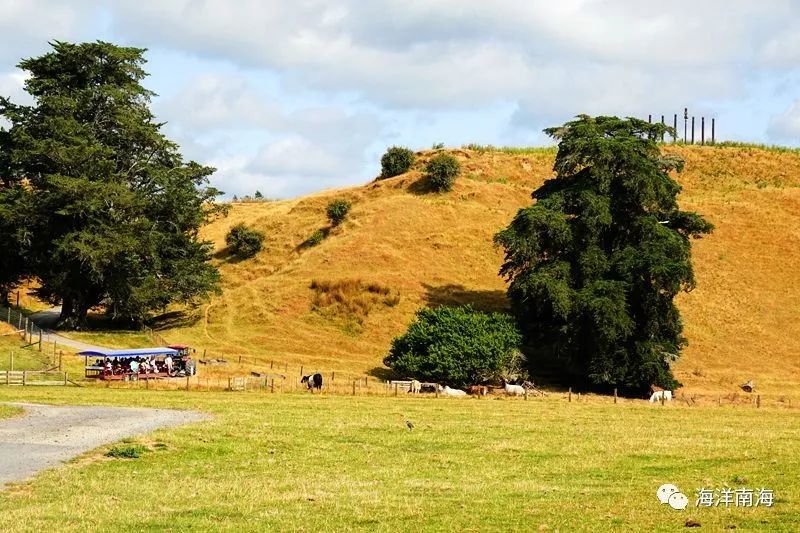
131, 352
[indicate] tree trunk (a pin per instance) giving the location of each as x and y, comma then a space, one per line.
73, 313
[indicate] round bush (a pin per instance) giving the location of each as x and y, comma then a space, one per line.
337, 211
244, 242
457, 346
397, 160
442, 171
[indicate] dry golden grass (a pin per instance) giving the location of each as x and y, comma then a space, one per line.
741, 320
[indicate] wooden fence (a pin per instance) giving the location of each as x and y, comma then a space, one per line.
33, 377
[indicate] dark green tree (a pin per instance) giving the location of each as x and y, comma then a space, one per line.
442, 171
243, 241
458, 346
337, 210
397, 160
117, 210
595, 263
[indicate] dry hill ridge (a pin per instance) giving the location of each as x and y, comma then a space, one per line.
337, 305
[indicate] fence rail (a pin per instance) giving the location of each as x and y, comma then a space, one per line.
33, 377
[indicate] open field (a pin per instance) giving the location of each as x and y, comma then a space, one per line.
310, 462
429, 249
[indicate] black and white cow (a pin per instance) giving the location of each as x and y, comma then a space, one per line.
313, 382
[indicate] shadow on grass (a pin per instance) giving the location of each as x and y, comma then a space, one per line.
226, 255
314, 239
174, 319
453, 295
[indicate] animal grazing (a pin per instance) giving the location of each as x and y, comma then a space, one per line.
478, 390
447, 391
415, 387
513, 390
657, 396
313, 382
427, 387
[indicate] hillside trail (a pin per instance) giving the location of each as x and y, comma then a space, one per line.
48, 318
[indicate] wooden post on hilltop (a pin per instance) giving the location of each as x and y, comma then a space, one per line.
569, 395
615, 395
758, 401
712, 130
240, 359
272, 386
702, 130
692, 130
333, 376
301, 370
271, 364
354, 387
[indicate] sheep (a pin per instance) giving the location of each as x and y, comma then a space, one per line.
665, 395
513, 390
447, 391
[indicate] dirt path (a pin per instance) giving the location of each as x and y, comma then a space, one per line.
46, 320
48, 435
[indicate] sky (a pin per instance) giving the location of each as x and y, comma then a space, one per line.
293, 97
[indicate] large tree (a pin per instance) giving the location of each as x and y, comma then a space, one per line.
117, 210
595, 263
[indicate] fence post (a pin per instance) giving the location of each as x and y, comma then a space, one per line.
40, 340
662, 400
301, 370
272, 385
615, 395
65, 379
333, 376
24, 377
569, 395
354, 387
187, 383
525, 391
758, 401
60, 357
396, 389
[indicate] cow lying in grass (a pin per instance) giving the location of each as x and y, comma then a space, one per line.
313, 382
447, 391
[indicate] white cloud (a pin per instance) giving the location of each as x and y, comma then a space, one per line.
786, 126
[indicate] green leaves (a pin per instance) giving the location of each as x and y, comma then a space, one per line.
115, 211
458, 346
593, 266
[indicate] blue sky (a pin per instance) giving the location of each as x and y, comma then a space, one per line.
294, 97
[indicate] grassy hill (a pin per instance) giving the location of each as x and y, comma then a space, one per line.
402, 249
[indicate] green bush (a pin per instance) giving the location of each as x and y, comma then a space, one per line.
397, 160
132, 451
316, 238
244, 242
337, 210
442, 171
458, 346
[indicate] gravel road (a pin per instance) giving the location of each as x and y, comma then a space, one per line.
48, 435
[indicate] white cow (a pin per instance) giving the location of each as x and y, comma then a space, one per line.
658, 395
447, 391
415, 386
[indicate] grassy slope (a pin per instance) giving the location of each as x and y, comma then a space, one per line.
299, 462
740, 321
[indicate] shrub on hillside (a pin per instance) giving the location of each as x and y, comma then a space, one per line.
337, 210
442, 171
397, 160
316, 238
458, 346
244, 242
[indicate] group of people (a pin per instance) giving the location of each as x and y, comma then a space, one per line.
136, 365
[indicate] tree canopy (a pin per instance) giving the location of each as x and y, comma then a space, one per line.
458, 346
113, 211
595, 263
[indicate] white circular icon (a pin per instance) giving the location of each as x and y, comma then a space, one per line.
678, 501
665, 491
